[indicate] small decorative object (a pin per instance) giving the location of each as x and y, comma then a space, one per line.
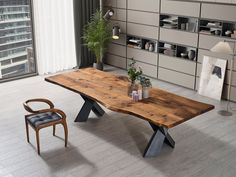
140, 94
187, 26
147, 46
135, 96
217, 32
151, 47
234, 34
133, 73
228, 33
183, 26
191, 54
183, 55
146, 85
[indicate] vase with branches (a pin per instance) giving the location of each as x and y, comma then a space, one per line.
134, 73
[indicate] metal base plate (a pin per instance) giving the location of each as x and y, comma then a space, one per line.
225, 113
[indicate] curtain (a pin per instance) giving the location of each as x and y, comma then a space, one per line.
54, 35
83, 9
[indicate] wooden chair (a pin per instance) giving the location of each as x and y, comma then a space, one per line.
39, 119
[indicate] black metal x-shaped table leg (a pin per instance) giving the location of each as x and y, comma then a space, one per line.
88, 105
159, 136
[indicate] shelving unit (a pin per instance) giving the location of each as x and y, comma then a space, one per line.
141, 43
175, 27
218, 28
188, 24
178, 42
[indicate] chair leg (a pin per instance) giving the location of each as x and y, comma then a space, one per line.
54, 130
27, 130
37, 139
66, 132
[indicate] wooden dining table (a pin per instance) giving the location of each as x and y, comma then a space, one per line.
163, 110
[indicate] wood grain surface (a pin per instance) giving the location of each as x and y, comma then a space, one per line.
162, 108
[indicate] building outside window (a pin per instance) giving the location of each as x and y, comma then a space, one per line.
16, 39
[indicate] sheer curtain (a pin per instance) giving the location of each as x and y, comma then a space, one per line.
54, 35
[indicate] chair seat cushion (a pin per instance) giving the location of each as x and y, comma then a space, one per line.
42, 118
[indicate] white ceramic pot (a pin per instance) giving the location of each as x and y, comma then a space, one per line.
145, 92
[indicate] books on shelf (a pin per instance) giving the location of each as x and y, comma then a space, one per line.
134, 46
137, 41
172, 20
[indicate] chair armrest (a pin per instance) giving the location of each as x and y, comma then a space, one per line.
29, 109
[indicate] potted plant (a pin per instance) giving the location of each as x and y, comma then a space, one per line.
97, 35
146, 85
133, 73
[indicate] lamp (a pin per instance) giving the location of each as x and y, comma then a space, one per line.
116, 32
224, 47
108, 14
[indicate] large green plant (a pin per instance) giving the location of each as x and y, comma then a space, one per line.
97, 35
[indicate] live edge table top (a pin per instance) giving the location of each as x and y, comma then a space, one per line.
163, 108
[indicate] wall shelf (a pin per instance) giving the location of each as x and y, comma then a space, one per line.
178, 27
188, 24
142, 43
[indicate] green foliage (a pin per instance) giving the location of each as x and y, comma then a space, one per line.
134, 72
144, 81
97, 35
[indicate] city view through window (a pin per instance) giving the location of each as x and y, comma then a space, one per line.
16, 42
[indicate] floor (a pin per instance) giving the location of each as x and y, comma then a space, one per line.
112, 145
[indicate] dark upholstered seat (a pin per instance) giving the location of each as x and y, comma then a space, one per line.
42, 118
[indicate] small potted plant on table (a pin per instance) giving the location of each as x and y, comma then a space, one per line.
134, 73
146, 85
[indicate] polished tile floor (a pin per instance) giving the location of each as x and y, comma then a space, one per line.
111, 146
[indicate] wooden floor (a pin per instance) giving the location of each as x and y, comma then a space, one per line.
111, 146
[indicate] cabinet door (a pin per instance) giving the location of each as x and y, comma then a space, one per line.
115, 61
179, 37
143, 18
116, 49
202, 53
233, 1
232, 93
119, 14
180, 8
219, 12
176, 64
208, 42
176, 78
144, 5
143, 56
142, 31
148, 70
115, 3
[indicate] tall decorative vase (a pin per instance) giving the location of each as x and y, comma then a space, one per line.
191, 54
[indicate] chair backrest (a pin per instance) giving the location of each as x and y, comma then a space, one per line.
27, 108
51, 109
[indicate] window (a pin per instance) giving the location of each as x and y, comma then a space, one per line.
16, 39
